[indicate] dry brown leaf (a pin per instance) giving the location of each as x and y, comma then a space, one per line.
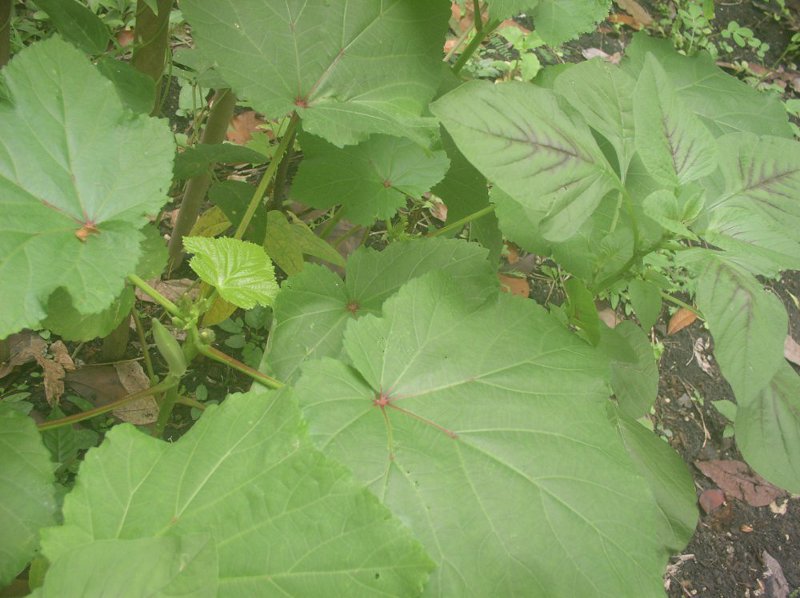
680, 320
104, 384
791, 350
24, 347
775, 580
516, 286
701, 350
242, 127
512, 253
171, 289
609, 317
133, 379
439, 210
711, 500
590, 53
637, 11
737, 481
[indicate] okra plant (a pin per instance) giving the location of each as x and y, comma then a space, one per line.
411, 430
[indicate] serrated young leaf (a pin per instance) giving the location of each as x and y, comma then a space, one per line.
521, 140
672, 142
77, 24
558, 21
603, 94
753, 207
495, 415
286, 243
768, 430
724, 103
241, 271
349, 69
78, 175
285, 519
370, 180
159, 566
748, 325
313, 308
28, 491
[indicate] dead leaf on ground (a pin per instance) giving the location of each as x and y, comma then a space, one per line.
104, 384
512, 253
637, 11
702, 355
680, 320
774, 579
791, 350
514, 285
171, 289
609, 317
29, 346
242, 127
439, 209
590, 53
711, 500
737, 481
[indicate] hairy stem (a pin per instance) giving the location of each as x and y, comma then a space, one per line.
84, 415
462, 221
165, 410
222, 105
150, 44
267, 177
221, 357
5, 31
157, 297
474, 45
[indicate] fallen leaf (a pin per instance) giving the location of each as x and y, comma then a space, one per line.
637, 11
791, 350
104, 384
133, 379
779, 509
439, 210
24, 347
680, 320
702, 355
514, 285
737, 481
242, 127
512, 253
590, 53
609, 317
775, 580
29, 346
711, 500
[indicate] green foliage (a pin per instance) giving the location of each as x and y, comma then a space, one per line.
431, 435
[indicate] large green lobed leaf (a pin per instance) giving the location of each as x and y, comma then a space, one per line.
283, 519
518, 136
313, 307
370, 180
485, 428
78, 175
349, 67
27, 491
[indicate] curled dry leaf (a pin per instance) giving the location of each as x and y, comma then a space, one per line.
515, 286
775, 580
243, 126
737, 481
104, 384
29, 346
711, 500
24, 347
171, 289
640, 15
702, 355
133, 379
590, 53
680, 320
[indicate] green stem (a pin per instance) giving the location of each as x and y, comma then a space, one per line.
191, 403
84, 415
5, 31
279, 184
462, 221
476, 15
222, 105
165, 410
474, 45
682, 304
269, 174
328, 227
148, 363
221, 357
150, 48
158, 297
625, 269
